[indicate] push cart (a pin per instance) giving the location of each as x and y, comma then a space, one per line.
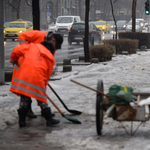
119, 112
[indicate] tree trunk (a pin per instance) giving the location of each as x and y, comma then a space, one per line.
18, 10
86, 38
36, 14
133, 15
114, 18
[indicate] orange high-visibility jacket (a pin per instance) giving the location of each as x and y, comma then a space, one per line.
33, 36
34, 71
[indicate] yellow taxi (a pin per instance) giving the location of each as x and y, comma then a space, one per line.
103, 26
14, 28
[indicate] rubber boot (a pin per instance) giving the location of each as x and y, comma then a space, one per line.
30, 113
22, 112
48, 116
53, 115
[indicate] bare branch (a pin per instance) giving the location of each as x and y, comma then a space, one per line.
114, 1
12, 5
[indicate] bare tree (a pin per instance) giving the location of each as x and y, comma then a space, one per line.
111, 3
16, 5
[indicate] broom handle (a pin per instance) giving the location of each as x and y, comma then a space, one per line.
90, 88
54, 104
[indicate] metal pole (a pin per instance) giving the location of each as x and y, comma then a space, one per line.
2, 66
148, 23
86, 41
92, 41
41, 14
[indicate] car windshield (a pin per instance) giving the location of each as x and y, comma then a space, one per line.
16, 25
121, 22
100, 23
130, 23
52, 24
6, 23
111, 22
78, 26
64, 20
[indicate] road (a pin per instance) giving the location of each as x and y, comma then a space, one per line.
68, 51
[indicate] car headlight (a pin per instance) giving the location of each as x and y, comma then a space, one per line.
69, 26
124, 26
4, 31
20, 31
103, 27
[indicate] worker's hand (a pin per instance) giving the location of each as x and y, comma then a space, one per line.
13, 62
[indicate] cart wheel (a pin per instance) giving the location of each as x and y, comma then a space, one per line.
99, 109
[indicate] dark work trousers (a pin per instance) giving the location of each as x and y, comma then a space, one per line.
25, 102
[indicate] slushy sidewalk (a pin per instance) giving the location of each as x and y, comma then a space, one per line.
129, 70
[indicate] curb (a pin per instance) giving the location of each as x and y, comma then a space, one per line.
73, 64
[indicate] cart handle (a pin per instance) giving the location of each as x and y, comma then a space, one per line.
90, 88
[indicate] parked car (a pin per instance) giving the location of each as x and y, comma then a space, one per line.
121, 25
137, 27
76, 33
14, 28
103, 26
51, 27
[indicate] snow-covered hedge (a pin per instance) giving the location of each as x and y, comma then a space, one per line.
102, 52
143, 38
129, 45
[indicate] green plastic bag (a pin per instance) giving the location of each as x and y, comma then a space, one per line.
120, 94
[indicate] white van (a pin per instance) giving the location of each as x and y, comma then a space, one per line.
64, 23
141, 20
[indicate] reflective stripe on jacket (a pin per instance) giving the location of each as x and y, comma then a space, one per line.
34, 71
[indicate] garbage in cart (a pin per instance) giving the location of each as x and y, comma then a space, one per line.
127, 105
120, 94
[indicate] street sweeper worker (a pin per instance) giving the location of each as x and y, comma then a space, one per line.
33, 36
33, 74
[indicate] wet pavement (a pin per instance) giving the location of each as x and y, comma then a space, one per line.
32, 137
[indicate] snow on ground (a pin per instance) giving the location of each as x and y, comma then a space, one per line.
130, 70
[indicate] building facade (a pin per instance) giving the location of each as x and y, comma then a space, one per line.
49, 10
